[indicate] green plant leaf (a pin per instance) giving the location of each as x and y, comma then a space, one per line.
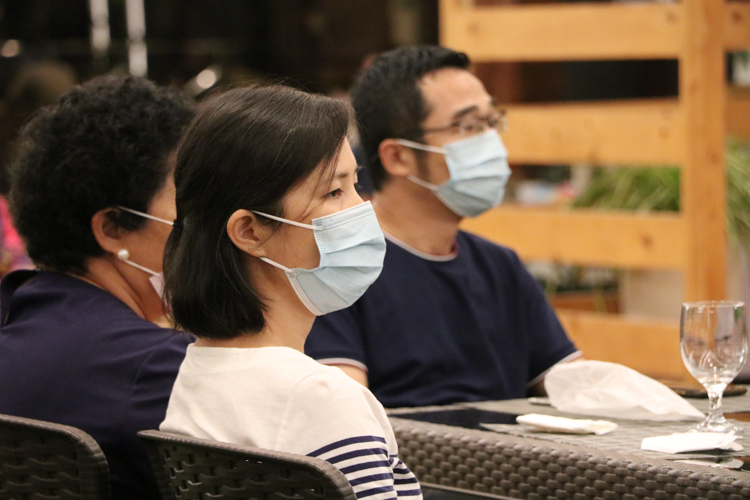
657, 188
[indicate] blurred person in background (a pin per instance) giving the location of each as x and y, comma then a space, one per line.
453, 317
92, 195
35, 84
265, 179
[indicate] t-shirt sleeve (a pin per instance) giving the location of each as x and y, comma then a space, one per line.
331, 417
549, 344
338, 338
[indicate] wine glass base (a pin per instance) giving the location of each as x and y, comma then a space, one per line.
720, 427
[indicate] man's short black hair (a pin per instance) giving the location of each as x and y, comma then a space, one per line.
102, 144
387, 100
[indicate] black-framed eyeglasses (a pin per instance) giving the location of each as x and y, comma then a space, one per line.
472, 125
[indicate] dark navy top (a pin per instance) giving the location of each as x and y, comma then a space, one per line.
75, 354
435, 330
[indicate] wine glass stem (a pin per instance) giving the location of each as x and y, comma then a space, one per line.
715, 414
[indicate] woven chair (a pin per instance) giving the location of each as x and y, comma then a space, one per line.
192, 469
41, 460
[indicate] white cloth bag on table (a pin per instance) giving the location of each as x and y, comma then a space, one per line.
603, 389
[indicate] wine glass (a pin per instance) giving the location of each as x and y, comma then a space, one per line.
714, 345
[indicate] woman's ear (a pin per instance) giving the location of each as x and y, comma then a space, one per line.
247, 233
397, 160
107, 233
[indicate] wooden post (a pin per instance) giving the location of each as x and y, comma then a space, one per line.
703, 189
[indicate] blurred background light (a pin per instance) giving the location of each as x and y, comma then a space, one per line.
11, 48
136, 25
204, 80
100, 33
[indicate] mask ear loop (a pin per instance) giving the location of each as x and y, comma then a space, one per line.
148, 216
287, 221
124, 255
420, 182
275, 264
422, 147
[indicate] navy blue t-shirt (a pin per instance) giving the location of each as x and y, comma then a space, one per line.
431, 330
74, 354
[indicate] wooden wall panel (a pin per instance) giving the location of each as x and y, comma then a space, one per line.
649, 346
585, 237
738, 113
737, 26
633, 132
635, 30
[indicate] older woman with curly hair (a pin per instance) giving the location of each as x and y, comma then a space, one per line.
92, 196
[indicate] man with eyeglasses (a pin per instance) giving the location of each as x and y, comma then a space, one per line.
453, 317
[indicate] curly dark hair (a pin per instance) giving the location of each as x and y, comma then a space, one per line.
102, 144
387, 100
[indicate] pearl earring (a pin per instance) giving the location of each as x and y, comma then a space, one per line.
123, 254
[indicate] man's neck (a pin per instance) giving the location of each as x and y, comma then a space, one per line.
413, 215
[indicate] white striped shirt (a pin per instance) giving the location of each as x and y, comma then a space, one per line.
369, 468
278, 398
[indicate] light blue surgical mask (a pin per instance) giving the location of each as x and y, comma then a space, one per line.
479, 171
352, 249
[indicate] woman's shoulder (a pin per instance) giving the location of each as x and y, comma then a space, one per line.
330, 387
52, 291
307, 374
338, 408
328, 378
93, 316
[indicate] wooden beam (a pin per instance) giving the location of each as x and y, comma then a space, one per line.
703, 180
586, 237
638, 131
627, 132
737, 26
562, 32
649, 346
738, 113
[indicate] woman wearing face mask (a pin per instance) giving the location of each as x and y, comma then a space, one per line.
270, 233
92, 196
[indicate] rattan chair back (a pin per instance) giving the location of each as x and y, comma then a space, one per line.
42, 460
191, 469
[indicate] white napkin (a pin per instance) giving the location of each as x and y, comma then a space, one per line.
691, 441
610, 390
549, 423
715, 462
